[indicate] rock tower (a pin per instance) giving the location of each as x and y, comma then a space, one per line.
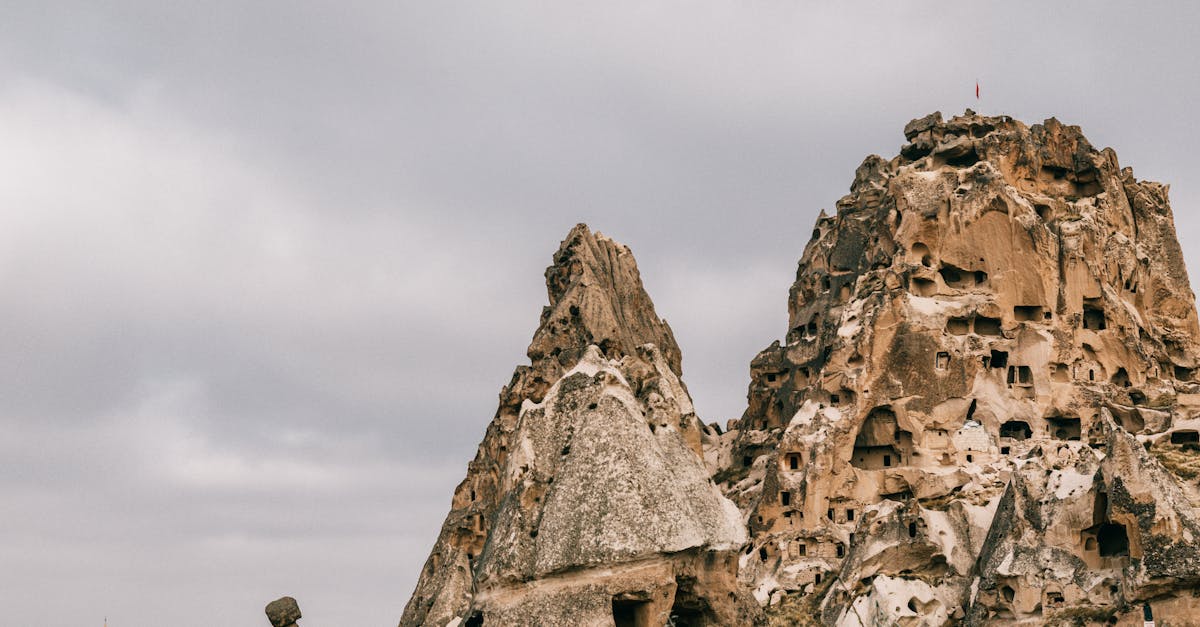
985, 412
588, 498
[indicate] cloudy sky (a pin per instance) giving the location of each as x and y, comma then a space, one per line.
265, 266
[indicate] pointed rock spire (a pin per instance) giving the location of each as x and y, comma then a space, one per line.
589, 490
597, 298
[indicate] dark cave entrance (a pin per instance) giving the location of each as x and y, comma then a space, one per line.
1016, 430
630, 612
1064, 427
1113, 540
690, 609
1185, 436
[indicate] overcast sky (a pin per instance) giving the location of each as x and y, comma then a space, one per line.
265, 266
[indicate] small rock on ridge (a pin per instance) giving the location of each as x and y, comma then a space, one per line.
283, 612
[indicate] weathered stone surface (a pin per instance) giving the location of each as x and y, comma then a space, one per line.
283, 612
985, 411
984, 342
589, 494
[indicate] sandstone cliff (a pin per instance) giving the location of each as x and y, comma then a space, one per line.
985, 412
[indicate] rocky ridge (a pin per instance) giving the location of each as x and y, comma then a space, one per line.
985, 411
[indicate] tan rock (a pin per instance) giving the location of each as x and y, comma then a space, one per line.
978, 340
985, 412
589, 497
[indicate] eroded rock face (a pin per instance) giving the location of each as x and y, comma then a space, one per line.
283, 612
588, 500
991, 355
985, 412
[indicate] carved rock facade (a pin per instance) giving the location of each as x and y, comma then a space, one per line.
985, 411
991, 352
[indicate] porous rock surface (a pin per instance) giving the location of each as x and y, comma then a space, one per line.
283, 612
589, 494
984, 412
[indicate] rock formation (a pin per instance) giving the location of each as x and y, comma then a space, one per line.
283, 612
985, 412
588, 497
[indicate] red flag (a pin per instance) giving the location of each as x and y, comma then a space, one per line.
977, 90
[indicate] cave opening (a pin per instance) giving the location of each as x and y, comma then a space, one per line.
965, 160
923, 287
1093, 317
1064, 428
1054, 172
921, 252
630, 612
952, 276
689, 608
1016, 430
1185, 436
1113, 540
1029, 313
987, 326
